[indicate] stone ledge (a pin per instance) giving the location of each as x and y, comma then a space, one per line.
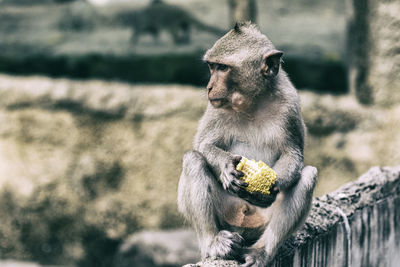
111, 100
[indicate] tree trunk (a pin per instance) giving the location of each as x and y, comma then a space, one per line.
242, 10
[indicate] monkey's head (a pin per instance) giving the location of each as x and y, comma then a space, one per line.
243, 66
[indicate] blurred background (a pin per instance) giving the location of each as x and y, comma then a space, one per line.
99, 100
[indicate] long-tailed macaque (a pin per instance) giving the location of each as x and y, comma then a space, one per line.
161, 17
254, 112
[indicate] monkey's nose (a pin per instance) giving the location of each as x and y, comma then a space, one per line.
209, 88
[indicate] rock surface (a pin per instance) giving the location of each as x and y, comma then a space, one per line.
214, 263
158, 248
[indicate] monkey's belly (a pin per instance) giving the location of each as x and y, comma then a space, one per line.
244, 215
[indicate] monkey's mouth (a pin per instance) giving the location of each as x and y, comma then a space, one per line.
218, 102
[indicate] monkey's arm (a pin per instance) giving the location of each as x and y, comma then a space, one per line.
291, 162
216, 157
223, 165
288, 169
210, 143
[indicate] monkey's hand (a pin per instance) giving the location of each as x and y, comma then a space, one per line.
256, 258
230, 177
258, 199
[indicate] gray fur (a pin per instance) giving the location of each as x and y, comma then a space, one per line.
269, 128
232, 43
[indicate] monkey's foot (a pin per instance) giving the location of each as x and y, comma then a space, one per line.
226, 245
256, 258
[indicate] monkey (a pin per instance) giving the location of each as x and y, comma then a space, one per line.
254, 112
159, 16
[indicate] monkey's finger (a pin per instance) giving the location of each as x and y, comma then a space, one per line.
244, 252
239, 182
236, 189
233, 190
236, 159
237, 174
266, 198
249, 261
244, 194
274, 191
274, 188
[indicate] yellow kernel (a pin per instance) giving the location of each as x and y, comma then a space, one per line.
258, 175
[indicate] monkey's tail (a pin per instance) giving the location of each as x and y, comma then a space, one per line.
208, 28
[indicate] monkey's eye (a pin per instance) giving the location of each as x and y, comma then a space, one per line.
222, 67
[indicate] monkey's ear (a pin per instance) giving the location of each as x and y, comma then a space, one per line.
271, 63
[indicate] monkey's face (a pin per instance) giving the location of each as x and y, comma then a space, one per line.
217, 87
243, 64
223, 91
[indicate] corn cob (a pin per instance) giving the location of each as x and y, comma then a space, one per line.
258, 175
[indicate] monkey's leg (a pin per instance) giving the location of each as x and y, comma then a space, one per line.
175, 34
185, 28
200, 199
135, 36
155, 33
288, 214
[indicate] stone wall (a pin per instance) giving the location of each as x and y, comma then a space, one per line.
373, 50
104, 158
85, 164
